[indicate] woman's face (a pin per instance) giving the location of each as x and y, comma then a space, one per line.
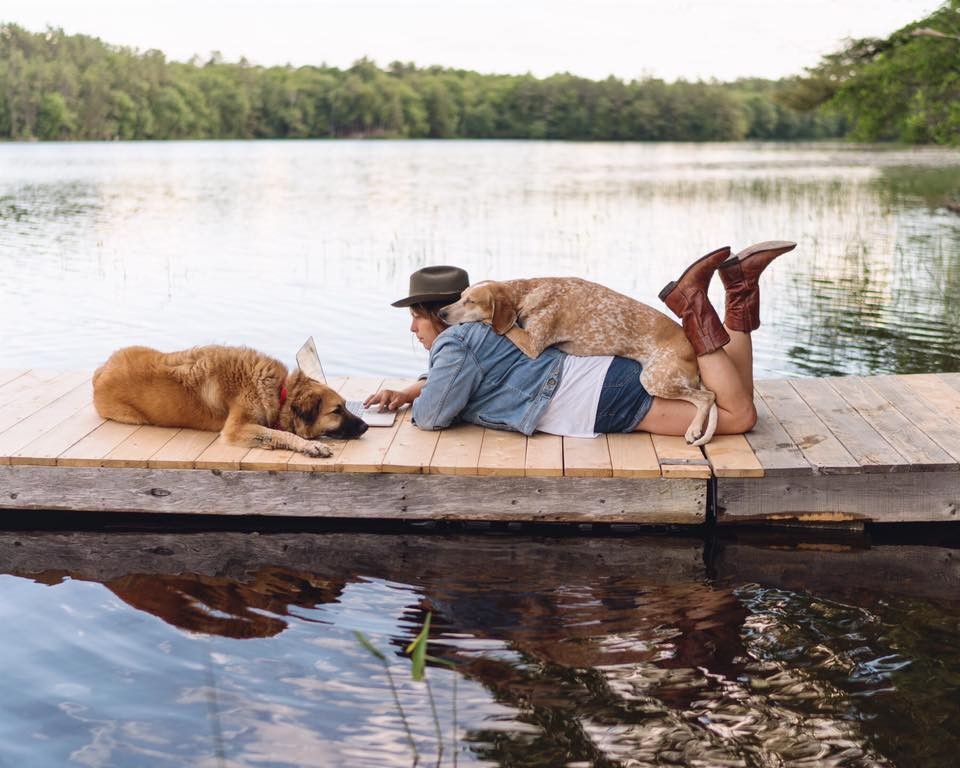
423, 327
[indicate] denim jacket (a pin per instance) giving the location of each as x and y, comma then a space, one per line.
483, 378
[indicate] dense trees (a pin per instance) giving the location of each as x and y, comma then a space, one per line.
58, 86
902, 88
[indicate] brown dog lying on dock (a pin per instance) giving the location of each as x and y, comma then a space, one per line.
584, 318
248, 397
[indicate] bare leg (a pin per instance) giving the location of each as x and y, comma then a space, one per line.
740, 352
719, 373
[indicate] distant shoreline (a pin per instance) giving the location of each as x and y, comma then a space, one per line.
75, 87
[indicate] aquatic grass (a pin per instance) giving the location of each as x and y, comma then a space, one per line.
417, 651
372, 649
935, 187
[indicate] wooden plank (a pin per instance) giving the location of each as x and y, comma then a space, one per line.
938, 394
924, 415
42, 394
349, 495
9, 374
46, 448
773, 447
32, 427
544, 456
220, 455
952, 380
302, 463
896, 497
678, 459
732, 456
137, 449
26, 383
92, 449
586, 457
366, 453
633, 455
862, 441
818, 444
503, 454
917, 449
458, 450
267, 459
412, 448
182, 450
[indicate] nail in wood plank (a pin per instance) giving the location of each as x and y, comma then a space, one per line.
680, 459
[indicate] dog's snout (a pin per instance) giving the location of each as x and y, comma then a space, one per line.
442, 314
354, 426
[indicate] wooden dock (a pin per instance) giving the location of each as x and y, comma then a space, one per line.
852, 449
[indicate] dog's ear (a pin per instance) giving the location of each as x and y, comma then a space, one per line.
504, 313
307, 408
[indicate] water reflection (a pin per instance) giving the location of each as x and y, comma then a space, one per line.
178, 243
613, 651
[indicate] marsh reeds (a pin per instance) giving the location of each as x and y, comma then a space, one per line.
417, 651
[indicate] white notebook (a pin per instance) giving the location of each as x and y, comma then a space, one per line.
309, 361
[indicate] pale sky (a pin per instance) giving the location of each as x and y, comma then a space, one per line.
692, 39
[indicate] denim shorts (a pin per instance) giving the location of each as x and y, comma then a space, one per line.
623, 400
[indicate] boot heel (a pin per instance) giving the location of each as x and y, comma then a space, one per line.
665, 291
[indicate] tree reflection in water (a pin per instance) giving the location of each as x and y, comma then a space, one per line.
871, 304
610, 651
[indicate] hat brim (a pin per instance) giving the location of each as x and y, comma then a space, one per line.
423, 298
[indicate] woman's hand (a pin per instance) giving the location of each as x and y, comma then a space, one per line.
391, 399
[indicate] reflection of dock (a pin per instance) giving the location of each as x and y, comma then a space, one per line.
209, 581
881, 448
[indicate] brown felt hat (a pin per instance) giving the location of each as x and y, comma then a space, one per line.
435, 284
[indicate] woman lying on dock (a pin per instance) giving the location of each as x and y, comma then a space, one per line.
480, 377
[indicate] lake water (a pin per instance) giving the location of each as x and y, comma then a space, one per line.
233, 649
262, 243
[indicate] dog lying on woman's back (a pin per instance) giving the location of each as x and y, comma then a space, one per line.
584, 318
250, 398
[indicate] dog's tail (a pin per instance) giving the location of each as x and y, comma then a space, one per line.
711, 427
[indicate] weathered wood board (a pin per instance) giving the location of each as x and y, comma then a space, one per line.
891, 498
360, 495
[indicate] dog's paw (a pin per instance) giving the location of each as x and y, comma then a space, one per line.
693, 434
318, 450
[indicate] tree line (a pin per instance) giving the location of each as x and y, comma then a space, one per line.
905, 87
59, 86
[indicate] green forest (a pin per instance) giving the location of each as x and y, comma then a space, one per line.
55, 86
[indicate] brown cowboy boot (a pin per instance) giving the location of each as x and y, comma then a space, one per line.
740, 274
687, 298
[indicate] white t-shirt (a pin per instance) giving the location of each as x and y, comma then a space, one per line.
572, 411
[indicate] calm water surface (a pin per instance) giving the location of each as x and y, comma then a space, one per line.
261, 243
234, 649
229, 649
